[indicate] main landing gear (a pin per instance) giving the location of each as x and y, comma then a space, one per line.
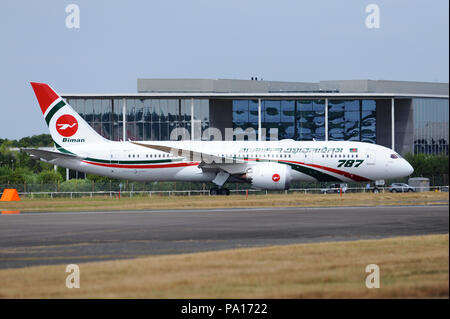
220, 180
219, 191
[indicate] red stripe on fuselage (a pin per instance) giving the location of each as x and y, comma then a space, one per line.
143, 166
354, 177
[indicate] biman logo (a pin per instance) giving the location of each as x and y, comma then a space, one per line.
276, 177
66, 125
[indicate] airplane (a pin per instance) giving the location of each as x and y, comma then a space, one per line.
270, 165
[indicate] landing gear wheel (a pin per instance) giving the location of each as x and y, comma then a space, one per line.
219, 191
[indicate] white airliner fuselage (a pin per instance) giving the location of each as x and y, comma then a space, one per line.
264, 164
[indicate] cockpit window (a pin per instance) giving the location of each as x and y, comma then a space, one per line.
394, 156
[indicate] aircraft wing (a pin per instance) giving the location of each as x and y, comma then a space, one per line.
207, 161
48, 156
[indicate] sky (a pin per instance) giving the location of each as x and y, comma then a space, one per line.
120, 41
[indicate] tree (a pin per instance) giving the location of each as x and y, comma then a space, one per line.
428, 165
49, 177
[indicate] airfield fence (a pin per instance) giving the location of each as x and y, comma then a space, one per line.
114, 186
150, 193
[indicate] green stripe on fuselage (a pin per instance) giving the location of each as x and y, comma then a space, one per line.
54, 109
131, 162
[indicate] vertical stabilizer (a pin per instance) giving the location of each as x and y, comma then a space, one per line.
66, 126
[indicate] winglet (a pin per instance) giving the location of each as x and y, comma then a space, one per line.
45, 95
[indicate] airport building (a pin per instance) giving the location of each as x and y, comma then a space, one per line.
409, 117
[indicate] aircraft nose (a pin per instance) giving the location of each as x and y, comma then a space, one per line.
408, 168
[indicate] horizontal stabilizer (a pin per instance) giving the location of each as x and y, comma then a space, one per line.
48, 156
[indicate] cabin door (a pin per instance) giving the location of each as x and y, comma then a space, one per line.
371, 157
114, 161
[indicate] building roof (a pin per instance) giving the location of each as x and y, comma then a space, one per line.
288, 95
258, 86
226, 88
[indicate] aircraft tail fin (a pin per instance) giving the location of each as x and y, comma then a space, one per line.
66, 126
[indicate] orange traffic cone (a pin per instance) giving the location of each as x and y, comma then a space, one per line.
10, 212
9, 195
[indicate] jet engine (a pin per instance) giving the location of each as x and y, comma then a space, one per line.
269, 176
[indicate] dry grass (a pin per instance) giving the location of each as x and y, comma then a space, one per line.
410, 267
238, 201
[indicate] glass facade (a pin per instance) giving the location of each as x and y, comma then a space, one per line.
352, 120
98, 113
245, 115
368, 123
298, 119
310, 120
146, 118
304, 120
431, 121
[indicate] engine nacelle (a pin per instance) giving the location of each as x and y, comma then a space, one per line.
269, 176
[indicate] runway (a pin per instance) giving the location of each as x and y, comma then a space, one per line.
31, 239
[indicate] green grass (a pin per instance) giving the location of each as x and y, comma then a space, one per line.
410, 267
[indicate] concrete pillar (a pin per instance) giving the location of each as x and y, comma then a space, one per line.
326, 119
392, 124
383, 124
192, 119
404, 126
124, 119
259, 121
221, 115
